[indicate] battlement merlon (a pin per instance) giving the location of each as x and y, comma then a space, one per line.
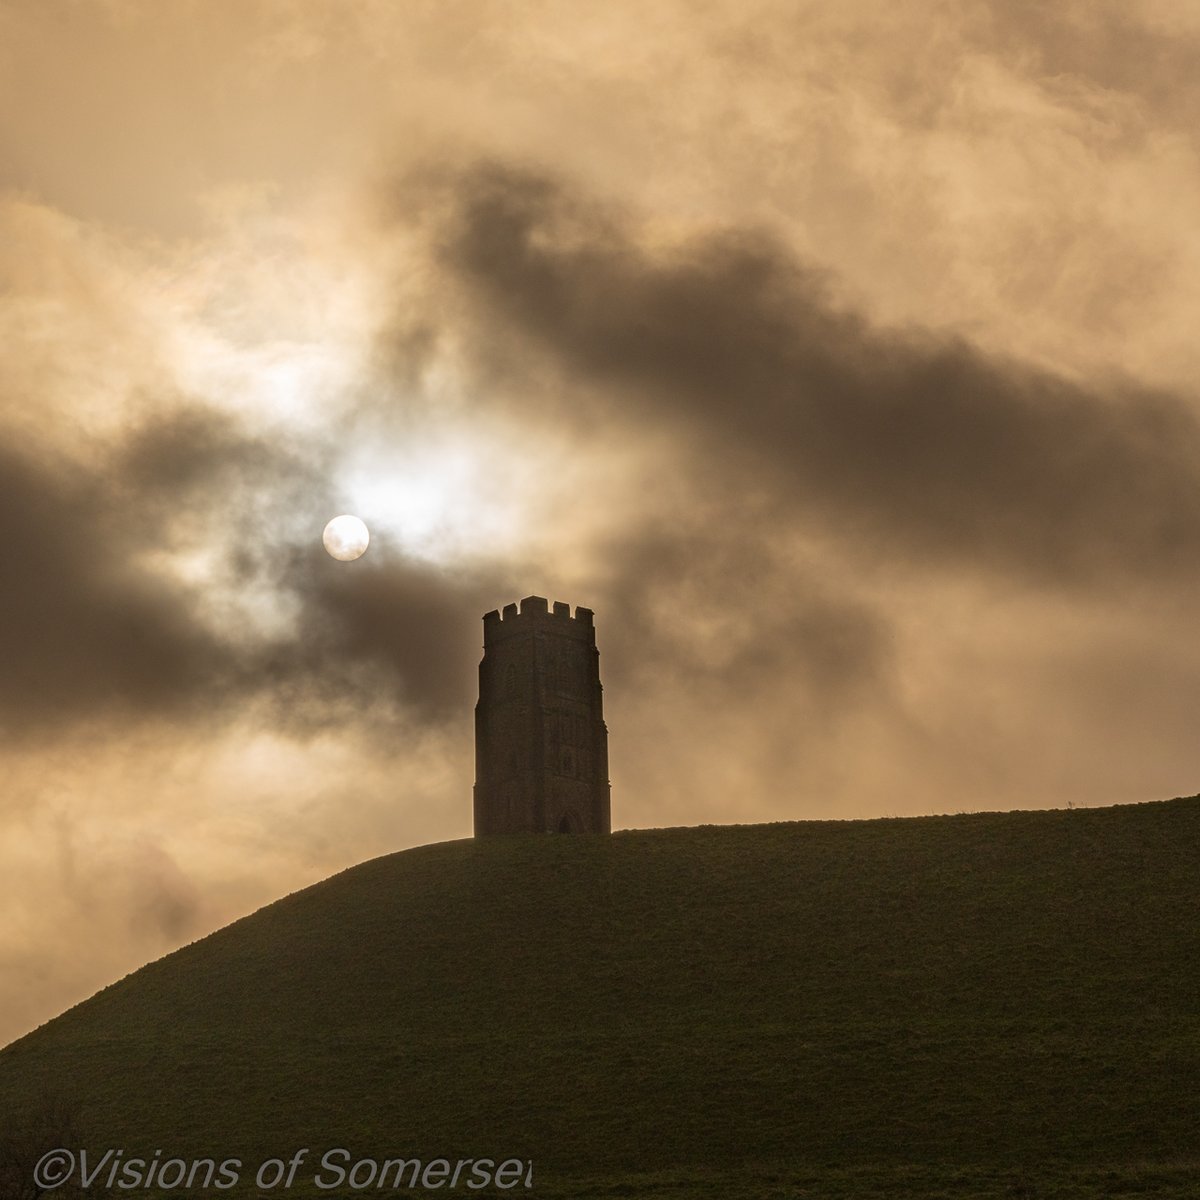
536, 611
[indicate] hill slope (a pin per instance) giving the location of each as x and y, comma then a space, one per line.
986, 1001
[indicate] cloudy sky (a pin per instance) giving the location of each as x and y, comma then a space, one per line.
841, 357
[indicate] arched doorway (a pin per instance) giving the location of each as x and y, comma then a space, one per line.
567, 825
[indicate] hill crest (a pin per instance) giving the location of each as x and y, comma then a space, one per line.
966, 989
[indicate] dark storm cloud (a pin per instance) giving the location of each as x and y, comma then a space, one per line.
413, 629
198, 450
710, 607
91, 633
901, 441
82, 632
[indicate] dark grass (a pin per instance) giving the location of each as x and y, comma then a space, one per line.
985, 1005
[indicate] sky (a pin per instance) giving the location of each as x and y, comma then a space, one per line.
841, 358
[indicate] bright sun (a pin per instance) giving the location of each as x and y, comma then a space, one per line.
346, 538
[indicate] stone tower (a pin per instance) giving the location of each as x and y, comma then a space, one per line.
541, 745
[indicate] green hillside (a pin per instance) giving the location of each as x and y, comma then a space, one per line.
984, 1005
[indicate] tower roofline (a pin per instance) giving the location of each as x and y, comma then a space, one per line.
536, 611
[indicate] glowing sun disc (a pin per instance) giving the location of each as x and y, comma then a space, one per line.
346, 538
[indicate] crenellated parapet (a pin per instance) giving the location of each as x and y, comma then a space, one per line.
535, 613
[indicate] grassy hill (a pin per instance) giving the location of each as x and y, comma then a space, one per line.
983, 1005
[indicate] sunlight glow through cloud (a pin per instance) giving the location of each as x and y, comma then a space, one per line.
443, 495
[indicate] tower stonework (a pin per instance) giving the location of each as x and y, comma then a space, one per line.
541, 745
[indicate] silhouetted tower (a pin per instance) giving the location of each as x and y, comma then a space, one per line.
541, 745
